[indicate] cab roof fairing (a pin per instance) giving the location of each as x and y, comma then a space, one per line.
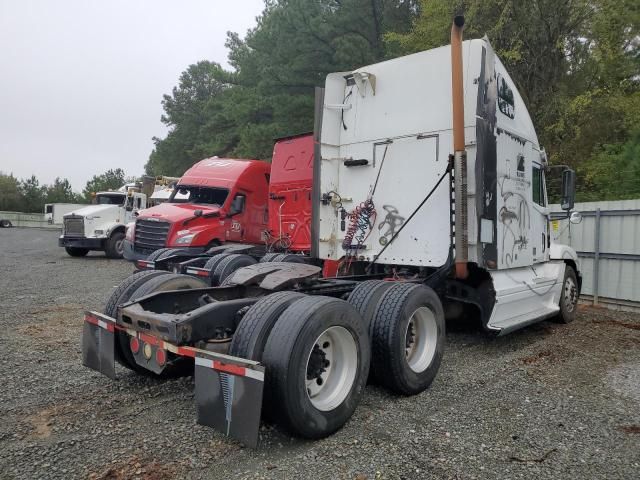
225, 173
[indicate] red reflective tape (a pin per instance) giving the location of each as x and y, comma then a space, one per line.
186, 352
91, 320
202, 273
226, 367
110, 327
149, 339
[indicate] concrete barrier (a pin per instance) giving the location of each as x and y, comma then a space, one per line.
36, 220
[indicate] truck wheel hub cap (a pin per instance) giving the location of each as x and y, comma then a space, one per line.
331, 370
570, 294
421, 339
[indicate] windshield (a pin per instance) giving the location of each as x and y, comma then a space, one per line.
199, 195
110, 199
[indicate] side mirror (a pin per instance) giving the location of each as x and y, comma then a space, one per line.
575, 218
568, 189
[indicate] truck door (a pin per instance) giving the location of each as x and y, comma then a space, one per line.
237, 226
539, 214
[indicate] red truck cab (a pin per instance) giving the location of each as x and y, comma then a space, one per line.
290, 194
217, 200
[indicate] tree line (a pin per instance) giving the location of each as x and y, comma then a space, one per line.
28, 195
576, 63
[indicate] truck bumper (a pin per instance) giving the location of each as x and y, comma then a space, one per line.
228, 390
81, 242
132, 255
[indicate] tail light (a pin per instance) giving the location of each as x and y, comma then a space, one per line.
161, 357
134, 344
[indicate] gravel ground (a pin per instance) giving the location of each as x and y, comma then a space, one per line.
549, 401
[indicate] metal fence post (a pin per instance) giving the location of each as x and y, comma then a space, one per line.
596, 258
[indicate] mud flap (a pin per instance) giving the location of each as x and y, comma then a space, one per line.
98, 344
229, 397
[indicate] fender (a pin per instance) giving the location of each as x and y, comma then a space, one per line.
113, 227
560, 251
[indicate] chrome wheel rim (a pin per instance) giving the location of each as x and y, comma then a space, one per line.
570, 294
421, 339
332, 366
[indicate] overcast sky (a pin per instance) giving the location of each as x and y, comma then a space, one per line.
81, 81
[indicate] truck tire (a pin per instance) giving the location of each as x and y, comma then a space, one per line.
251, 335
171, 251
212, 263
77, 252
289, 258
568, 297
5, 224
114, 247
153, 256
268, 257
317, 360
121, 295
365, 298
230, 264
408, 338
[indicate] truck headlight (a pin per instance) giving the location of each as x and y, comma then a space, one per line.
130, 231
185, 239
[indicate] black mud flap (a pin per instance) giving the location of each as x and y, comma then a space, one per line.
98, 343
229, 396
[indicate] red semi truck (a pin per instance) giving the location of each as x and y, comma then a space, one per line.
220, 201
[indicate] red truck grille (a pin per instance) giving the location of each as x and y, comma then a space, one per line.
150, 235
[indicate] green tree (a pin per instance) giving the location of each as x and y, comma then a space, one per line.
109, 180
60, 192
10, 196
276, 67
32, 194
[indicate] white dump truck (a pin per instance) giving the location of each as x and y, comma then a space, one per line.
429, 201
101, 226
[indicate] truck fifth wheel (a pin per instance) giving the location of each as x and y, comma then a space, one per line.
411, 218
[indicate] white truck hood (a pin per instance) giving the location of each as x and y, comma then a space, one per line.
97, 211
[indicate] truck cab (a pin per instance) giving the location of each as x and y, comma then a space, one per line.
101, 226
218, 200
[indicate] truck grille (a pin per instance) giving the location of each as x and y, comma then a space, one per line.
150, 235
74, 227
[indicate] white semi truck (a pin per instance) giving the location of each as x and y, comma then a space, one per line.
101, 226
429, 201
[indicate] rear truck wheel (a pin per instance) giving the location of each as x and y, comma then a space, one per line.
77, 252
153, 256
229, 265
213, 262
114, 247
569, 296
171, 251
251, 335
408, 338
5, 224
161, 283
289, 258
317, 360
121, 295
268, 257
365, 298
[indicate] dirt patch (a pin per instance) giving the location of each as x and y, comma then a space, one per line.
135, 468
630, 429
536, 358
619, 323
549, 355
62, 308
42, 422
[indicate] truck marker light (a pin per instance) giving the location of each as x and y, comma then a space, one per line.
161, 357
146, 350
134, 344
